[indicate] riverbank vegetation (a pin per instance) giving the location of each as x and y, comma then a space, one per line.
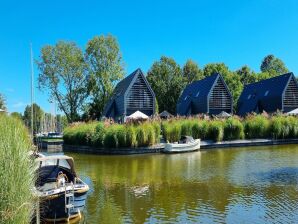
16, 172
99, 134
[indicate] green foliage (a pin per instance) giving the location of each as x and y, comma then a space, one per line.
172, 131
141, 135
80, 134
274, 66
257, 127
233, 129
106, 69
98, 136
284, 127
63, 67
16, 115
200, 129
131, 137
38, 115
216, 131
16, 172
191, 72
2, 102
167, 82
110, 138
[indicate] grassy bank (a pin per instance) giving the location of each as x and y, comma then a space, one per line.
99, 134
116, 136
16, 173
234, 128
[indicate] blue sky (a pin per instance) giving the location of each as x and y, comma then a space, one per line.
233, 32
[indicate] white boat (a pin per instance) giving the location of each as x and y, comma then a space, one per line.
62, 194
186, 144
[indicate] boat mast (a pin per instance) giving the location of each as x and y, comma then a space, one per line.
32, 87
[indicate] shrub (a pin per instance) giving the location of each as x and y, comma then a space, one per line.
121, 136
215, 131
131, 136
110, 138
186, 128
141, 136
233, 129
200, 129
150, 134
257, 127
157, 130
172, 131
16, 172
98, 136
79, 134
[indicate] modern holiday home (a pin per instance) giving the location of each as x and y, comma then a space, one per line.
270, 95
207, 96
130, 95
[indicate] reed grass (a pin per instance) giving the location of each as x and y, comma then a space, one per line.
16, 172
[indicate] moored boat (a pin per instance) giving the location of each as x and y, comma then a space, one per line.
186, 144
62, 194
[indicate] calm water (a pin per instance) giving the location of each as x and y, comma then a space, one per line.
247, 185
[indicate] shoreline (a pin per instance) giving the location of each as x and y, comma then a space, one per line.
205, 146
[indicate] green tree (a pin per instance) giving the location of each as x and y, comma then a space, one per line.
232, 79
63, 74
167, 82
274, 66
37, 117
247, 76
192, 72
106, 68
17, 115
2, 102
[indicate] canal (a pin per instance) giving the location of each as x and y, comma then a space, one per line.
242, 185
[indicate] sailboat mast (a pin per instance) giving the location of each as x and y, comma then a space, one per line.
32, 88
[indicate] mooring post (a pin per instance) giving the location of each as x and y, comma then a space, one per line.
37, 212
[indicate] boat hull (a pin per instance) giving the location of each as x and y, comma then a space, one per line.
52, 208
180, 148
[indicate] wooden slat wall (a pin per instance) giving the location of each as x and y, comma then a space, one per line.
219, 98
139, 96
291, 95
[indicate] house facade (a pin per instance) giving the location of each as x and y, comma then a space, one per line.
270, 95
207, 96
131, 94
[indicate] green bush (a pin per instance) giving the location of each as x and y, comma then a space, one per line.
157, 130
216, 131
172, 131
16, 172
98, 136
141, 136
186, 128
257, 127
110, 138
200, 129
131, 136
121, 136
233, 129
79, 134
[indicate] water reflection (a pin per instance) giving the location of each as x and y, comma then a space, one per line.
255, 185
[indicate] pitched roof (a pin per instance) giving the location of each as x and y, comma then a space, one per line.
204, 86
122, 87
265, 92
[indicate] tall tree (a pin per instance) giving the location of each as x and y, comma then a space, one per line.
37, 117
232, 79
106, 68
166, 80
274, 66
63, 74
2, 102
192, 72
247, 76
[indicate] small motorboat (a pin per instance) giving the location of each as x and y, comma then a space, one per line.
61, 193
185, 144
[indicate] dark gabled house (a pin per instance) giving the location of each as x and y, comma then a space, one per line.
209, 96
277, 93
131, 94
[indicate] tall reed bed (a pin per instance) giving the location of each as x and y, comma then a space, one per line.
16, 172
99, 134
